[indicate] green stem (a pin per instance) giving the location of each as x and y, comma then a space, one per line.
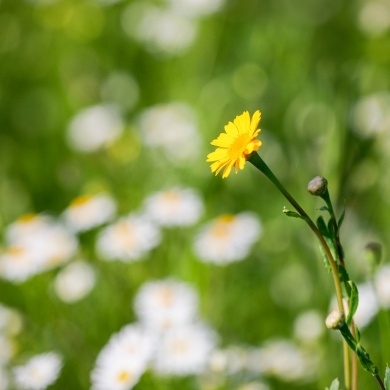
258, 162
340, 254
349, 339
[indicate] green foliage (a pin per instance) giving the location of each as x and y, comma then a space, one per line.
353, 301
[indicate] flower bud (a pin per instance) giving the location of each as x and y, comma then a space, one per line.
317, 186
335, 320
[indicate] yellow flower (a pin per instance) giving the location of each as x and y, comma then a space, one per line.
236, 144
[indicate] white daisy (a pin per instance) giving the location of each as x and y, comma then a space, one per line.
309, 326
254, 386
114, 374
45, 240
162, 31
382, 286
283, 359
123, 360
87, 211
4, 379
374, 17
230, 360
174, 207
367, 308
184, 350
196, 8
26, 226
370, 115
134, 343
164, 304
75, 281
128, 239
19, 263
171, 128
227, 238
94, 128
39, 372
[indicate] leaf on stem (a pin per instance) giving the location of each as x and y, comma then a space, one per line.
353, 301
341, 219
293, 214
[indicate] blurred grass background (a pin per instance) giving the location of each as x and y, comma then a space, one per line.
307, 65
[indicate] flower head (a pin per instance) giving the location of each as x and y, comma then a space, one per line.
39, 372
236, 144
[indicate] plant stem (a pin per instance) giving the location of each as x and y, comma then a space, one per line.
258, 162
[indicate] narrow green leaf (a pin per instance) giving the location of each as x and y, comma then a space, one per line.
290, 213
326, 260
341, 219
365, 361
357, 334
343, 274
353, 301
322, 227
387, 378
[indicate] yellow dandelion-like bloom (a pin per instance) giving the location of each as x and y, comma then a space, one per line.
236, 144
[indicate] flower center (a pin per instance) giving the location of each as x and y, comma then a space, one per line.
238, 146
124, 376
81, 200
27, 217
165, 296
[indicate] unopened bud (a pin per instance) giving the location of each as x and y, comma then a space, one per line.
335, 320
317, 186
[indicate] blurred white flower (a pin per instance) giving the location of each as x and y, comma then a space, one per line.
174, 207
4, 379
184, 350
164, 304
254, 386
39, 372
368, 305
374, 17
172, 128
283, 359
382, 286
26, 226
75, 281
19, 263
133, 343
94, 128
88, 211
162, 31
123, 359
196, 8
230, 360
227, 238
114, 374
309, 326
128, 239
39, 243
371, 115
367, 308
